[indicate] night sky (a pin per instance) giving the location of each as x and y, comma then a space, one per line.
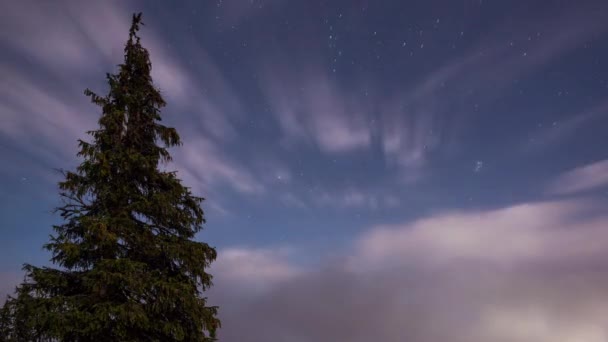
373, 170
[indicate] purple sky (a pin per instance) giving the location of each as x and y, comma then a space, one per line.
374, 170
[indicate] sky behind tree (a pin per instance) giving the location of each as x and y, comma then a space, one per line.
374, 170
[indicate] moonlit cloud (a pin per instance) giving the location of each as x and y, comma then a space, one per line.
309, 107
355, 198
585, 178
254, 269
558, 131
528, 273
203, 165
210, 109
58, 117
71, 39
523, 234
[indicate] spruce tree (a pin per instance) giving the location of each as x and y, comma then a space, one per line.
128, 266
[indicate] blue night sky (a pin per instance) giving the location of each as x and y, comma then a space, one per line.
442, 164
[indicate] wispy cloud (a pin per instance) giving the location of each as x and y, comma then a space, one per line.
310, 107
340, 198
65, 39
204, 166
355, 198
416, 118
439, 106
271, 170
52, 120
493, 64
529, 273
66, 35
210, 106
291, 200
409, 132
561, 130
585, 178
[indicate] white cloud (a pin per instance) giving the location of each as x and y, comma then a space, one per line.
66, 35
309, 107
53, 122
203, 165
539, 232
528, 273
212, 108
589, 177
65, 39
253, 269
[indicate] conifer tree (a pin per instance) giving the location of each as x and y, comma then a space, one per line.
128, 266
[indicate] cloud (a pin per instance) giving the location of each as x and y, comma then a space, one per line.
211, 108
254, 269
341, 199
409, 132
493, 64
66, 35
291, 200
585, 178
52, 121
526, 233
559, 131
437, 108
413, 120
355, 198
65, 39
203, 165
532, 272
311, 108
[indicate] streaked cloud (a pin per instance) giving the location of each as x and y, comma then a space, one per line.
351, 197
311, 108
66, 35
559, 131
65, 39
589, 177
409, 132
208, 109
203, 165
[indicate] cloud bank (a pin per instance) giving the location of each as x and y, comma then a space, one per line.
533, 272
